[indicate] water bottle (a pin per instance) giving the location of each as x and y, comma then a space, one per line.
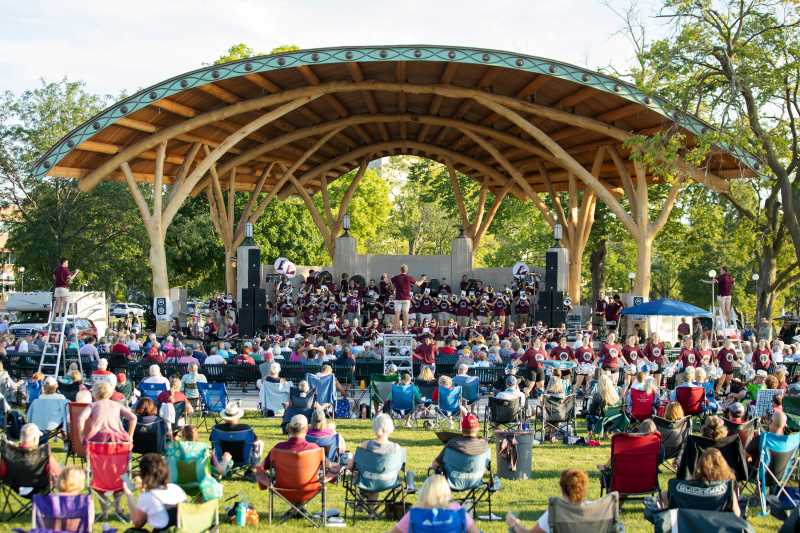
241, 514
525, 426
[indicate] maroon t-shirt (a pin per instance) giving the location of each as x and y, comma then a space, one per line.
426, 353
725, 358
725, 283
534, 358
609, 354
631, 353
762, 359
402, 286
61, 275
561, 353
584, 355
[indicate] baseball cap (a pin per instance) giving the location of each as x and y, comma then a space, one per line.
470, 422
121, 378
736, 408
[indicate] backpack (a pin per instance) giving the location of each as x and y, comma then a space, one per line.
14, 423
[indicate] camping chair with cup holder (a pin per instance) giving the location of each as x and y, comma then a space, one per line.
376, 483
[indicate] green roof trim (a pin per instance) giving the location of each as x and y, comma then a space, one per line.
327, 56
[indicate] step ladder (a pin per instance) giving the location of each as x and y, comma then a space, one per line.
54, 357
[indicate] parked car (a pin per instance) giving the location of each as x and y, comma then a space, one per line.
124, 310
32, 322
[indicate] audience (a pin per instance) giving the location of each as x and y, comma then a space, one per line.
468, 443
102, 422
158, 499
434, 494
574, 487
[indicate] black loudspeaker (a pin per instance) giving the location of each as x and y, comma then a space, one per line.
247, 300
550, 271
246, 324
558, 301
260, 321
259, 299
545, 302
253, 258
253, 278
558, 318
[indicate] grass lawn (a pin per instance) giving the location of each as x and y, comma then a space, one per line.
527, 499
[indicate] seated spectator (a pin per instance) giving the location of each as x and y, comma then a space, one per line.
214, 358
689, 382
327, 370
154, 376
714, 428
556, 386
231, 421
189, 383
574, 485
382, 427
146, 411
90, 350
103, 420
8, 387
736, 413
83, 396
297, 430
434, 494
174, 395
777, 425
605, 397
159, 498
711, 473
511, 391
102, 373
124, 389
154, 355
468, 443
29, 437
120, 346
48, 411
320, 426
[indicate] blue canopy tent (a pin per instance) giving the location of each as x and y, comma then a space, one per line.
666, 307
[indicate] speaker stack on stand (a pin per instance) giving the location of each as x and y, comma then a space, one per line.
551, 309
253, 304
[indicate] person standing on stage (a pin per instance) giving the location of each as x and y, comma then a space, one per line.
725, 282
403, 283
62, 277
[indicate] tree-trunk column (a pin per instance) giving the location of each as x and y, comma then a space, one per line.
644, 259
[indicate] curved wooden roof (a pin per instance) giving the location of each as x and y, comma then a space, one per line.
362, 103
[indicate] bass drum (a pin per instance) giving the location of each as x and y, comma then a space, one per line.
325, 278
360, 281
434, 286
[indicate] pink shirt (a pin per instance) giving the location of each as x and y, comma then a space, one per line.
104, 417
403, 524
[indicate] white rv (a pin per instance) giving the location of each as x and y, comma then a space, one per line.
30, 310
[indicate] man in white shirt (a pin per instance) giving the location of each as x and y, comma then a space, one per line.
214, 358
22, 346
89, 349
511, 391
133, 344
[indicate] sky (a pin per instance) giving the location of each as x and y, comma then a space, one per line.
117, 46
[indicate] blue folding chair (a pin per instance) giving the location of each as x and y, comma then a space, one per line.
470, 477
330, 443
325, 390
777, 463
214, 398
437, 520
470, 388
237, 443
448, 404
152, 390
375, 481
402, 400
49, 415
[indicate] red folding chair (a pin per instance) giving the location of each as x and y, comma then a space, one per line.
75, 450
641, 405
692, 399
108, 462
634, 465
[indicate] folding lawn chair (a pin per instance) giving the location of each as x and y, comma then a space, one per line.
63, 514
502, 414
152, 390
777, 464
299, 404
470, 389
598, 516
745, 430
692, 400
107, 462
448, 405
213, 399
673, 437
437, 520
150, 436
272, 397
69, 390
641, 406
329, 443
791, 408
556, 414
189, 466
33, 389
74, 441
691, 494
198, 517
26, 475
634, 465
376, 482
614, 420
237, 443
730, 447
403, 401
325, 390
172, 413
49, 415
690, 520
380, 385
297, 478
470, 478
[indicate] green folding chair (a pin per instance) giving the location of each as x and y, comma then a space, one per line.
198, 517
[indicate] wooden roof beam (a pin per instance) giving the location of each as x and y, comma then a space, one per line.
402, 99
369, 98
445, 79
577, 97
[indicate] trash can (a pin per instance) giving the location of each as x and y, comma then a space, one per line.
510, 445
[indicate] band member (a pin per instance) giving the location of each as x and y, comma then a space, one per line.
609, 357
586, 364
654, 351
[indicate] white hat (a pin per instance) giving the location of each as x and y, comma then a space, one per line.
233, 411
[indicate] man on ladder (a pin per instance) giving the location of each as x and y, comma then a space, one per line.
62, 278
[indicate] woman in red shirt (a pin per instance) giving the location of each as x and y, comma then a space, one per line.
688, 356
563, 353
725, 358
654, 351
631, 353
586, 363
762, 356
609, 357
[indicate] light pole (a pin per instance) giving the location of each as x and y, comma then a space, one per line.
755, 277
346, 225
631, 277
22, 277
712, 274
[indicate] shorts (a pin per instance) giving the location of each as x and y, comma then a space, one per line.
61, 292
402, 306
728, 372
539, 373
